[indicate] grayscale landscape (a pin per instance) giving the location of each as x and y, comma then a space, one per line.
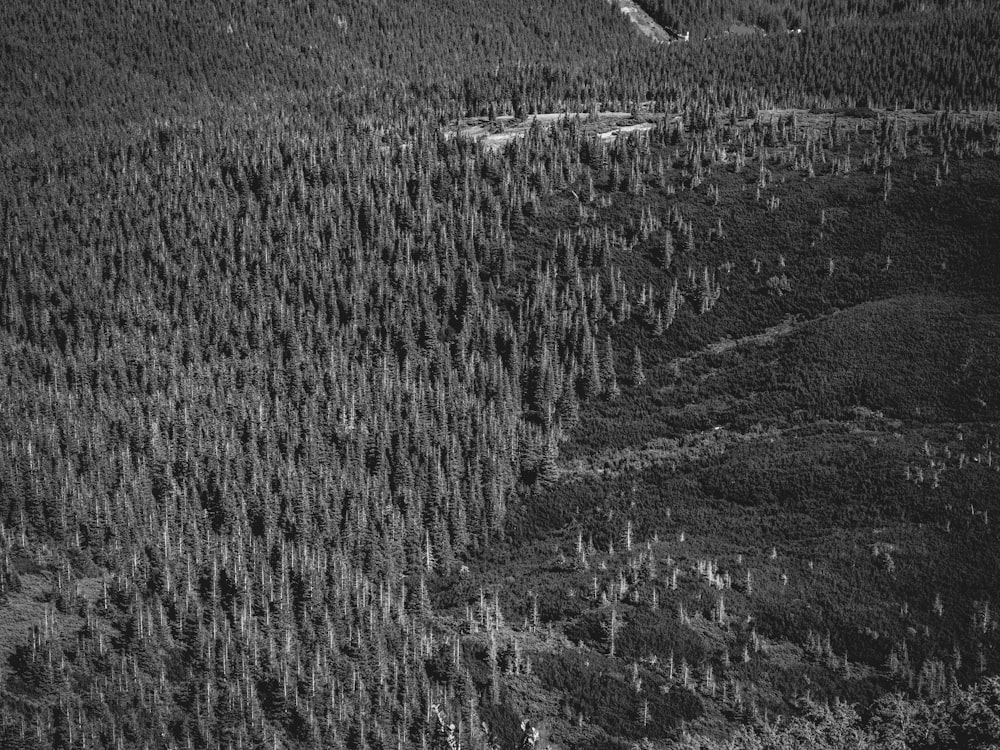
502, 375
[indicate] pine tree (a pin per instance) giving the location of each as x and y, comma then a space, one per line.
638, 375
611, 628
609, 376
548, 470
673, 303
668, 251
567, 406
591, 382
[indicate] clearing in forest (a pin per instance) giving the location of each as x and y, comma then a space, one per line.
645, 23
497, 133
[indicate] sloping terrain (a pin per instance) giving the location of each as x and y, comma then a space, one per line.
796, 500
644, 23
323, 427
843, 551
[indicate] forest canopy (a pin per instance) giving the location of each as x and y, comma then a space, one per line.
346, 404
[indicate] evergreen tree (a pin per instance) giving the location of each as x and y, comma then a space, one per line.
667, 252
609, 376
638, 375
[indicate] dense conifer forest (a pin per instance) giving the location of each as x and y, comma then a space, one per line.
346, 403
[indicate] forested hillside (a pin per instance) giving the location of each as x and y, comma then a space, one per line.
776, 16
323, 426
103, 62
